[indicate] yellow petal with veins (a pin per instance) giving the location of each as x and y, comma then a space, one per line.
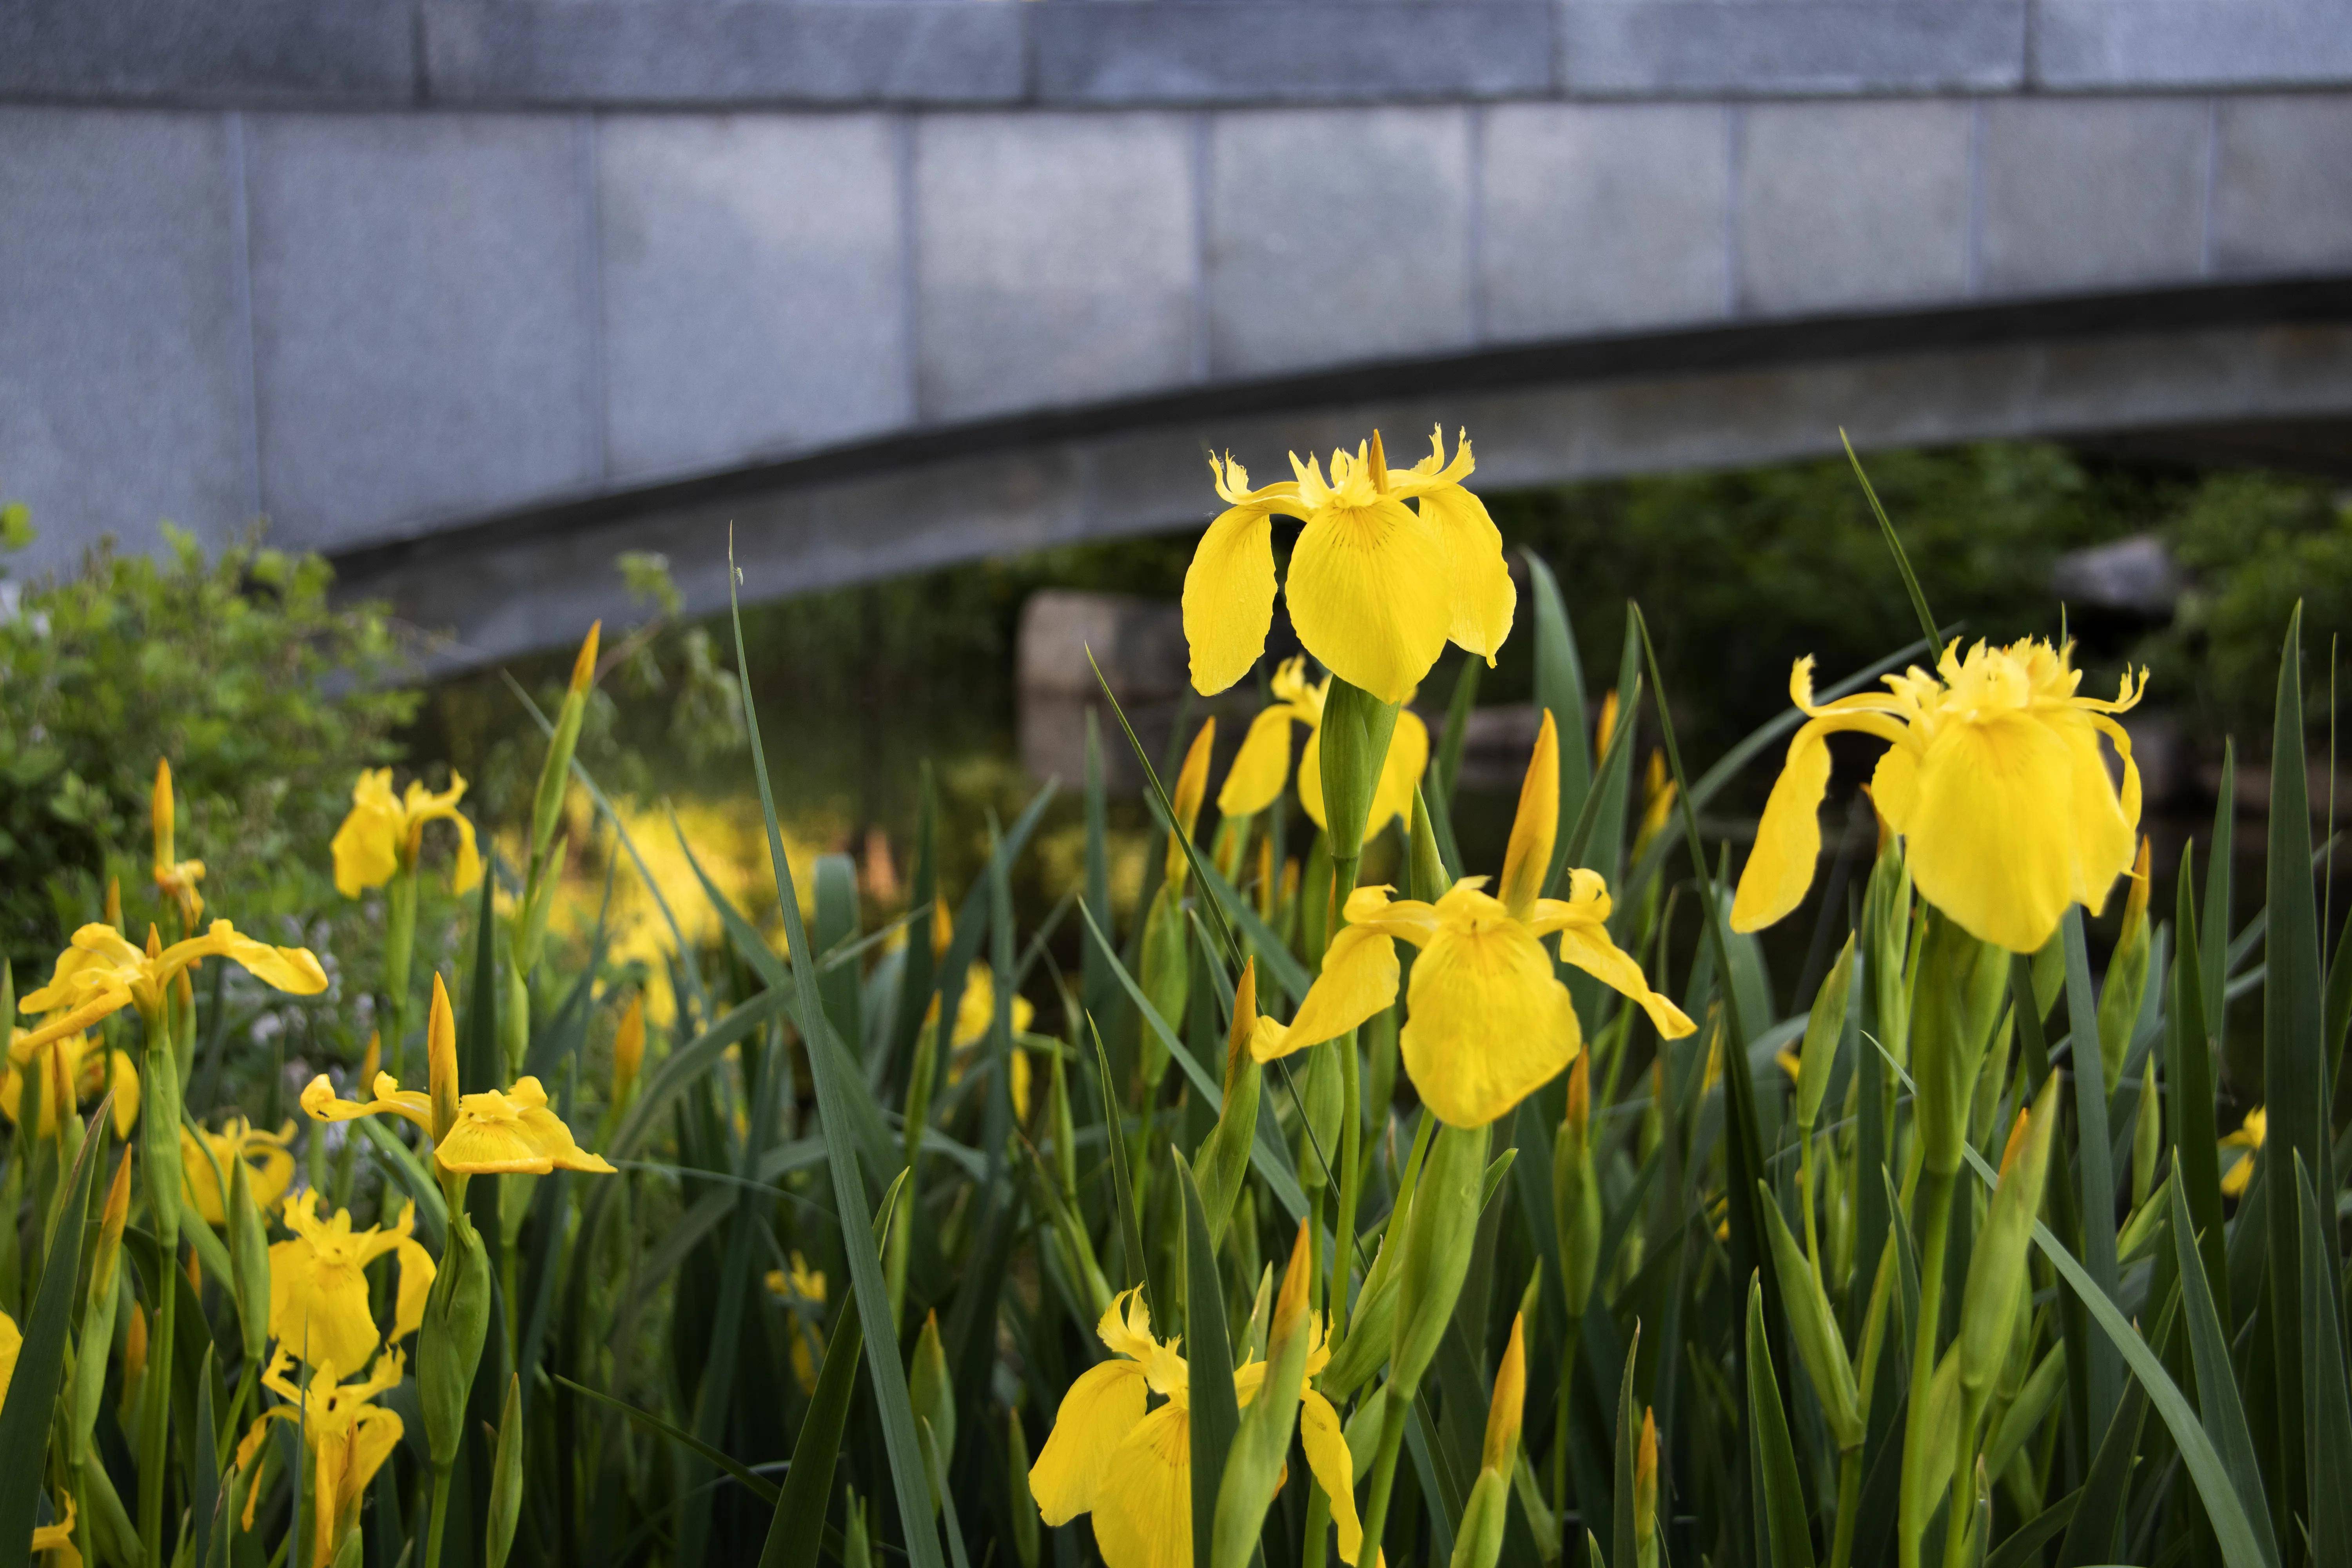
1327, 1455
1096, 1415
1229, 597
1143, 1511
1359, 979
1369, 596
1262, 766
1487, 1022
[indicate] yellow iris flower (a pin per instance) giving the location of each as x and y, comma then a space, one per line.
175, 880
384, 832
1132, 1469
1263, 764
269, 1169
317, 1284
802, 1286
102, 974
1377, 588
1993, 776
1487, 1021
350, 1438
495, 1133
72, 1067
2249, 1137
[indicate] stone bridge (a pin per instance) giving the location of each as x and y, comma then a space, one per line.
473, 294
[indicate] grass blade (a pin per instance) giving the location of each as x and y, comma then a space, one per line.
2327, 1427
1216, 1411
2104, 1378
2293, 1074
1560, 687
1628, 1435
900, 1436
758, 1485
1132, 1257
1902, 557
2217, 1384
1772, 1459
2099, 1506
25, 1417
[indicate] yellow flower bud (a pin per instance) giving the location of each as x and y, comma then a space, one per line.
1192, 789
1645, 1492
441, 1060
1526, 862
628, 1048
583, 665
1503, 1412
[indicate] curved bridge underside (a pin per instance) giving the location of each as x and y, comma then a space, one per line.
474, 294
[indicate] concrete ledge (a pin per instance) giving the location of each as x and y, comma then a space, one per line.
2124, 43
1684, 48
1177, 52
530, 52
259, 52
1545, 415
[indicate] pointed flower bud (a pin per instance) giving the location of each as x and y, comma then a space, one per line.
1645, 1490
1503, 1412
628, 1048
583, 665
1527, 863
1192, 789
109, 1231
441, 1060
1997, 1265
1824, 1032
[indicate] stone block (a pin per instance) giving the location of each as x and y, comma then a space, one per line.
2283, 184
727, 52
423, 333
243, 52
1287, 52
1845, 206
2123, 43
1604, 217
1693, 47
1055, 259
753, 287
121, 356
1336, 234
2081, 194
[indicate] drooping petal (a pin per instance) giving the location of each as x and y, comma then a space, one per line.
1991, 839
1487, 1022
1359, 979
1096, 1415
1369, 596
374, 1435
1125, 1326
1327, 1455
416, 1272
319, 1306
1587, 945
126, 1105
321, 1104
1229, 597
1262, 766
366, 847
1484, 598
2104, 824
1143, 1511
1788, 847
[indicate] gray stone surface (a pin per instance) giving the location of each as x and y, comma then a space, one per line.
2082, 194
423, 332
2190, 43
723, 52
2283, 184
1055, 259
1689, 46
241, 52
1336, 234
1286, 52
119, 356
1849, 206
1604, 217
753, 285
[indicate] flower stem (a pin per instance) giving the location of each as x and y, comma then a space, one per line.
1934, 1233
1343, 1235
1398, 1407
155, 1413
1849, 1508
440, 1515
1318, 1525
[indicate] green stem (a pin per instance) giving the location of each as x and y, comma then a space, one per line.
1962, 1510
1318, 1526
1934, 1233
1399, 1406
1343, 1237
155, 1413
440, 1515
1849, 1507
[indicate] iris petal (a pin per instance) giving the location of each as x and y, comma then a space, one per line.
1369, 596
1359, 979
1262, 766
1098, 1413
1487, 1022
1229, 597
1143, 1513
1993, 841
1328, 1457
